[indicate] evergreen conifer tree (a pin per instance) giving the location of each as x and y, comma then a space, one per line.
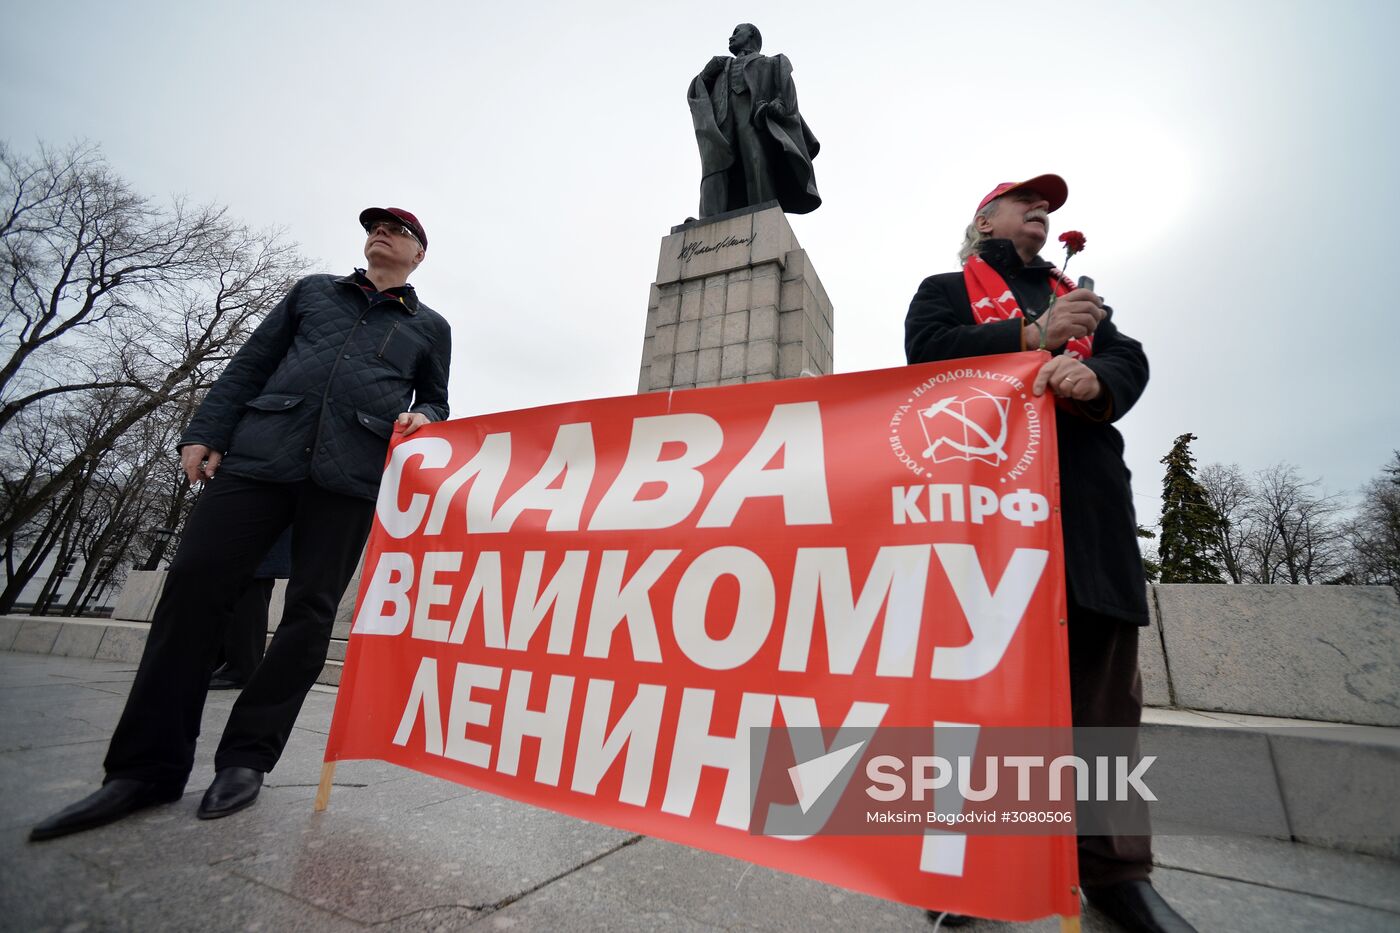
1150, 568
1186, 553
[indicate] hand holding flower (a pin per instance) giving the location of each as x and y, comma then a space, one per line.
1077, 314
1052, 329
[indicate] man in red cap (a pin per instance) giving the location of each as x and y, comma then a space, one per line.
293, 434
999, 302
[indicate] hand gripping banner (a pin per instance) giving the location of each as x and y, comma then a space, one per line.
597, 607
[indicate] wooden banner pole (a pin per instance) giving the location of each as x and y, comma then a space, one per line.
1069, 923
323, 791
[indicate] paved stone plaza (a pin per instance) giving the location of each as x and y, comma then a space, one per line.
398, 851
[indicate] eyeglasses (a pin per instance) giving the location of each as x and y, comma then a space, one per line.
393, 229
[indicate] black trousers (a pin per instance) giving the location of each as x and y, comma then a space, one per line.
1106, 691
232, 526
245, 634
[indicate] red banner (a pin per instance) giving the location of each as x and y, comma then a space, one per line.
595, 607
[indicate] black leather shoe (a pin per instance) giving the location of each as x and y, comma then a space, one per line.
1137, 907
942, 920
225, 678
117, 798
233, 789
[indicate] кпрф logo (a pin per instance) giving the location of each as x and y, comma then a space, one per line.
968, 415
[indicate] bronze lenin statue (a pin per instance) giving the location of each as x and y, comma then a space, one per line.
754, 144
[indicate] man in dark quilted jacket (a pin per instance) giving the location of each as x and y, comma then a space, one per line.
293, 434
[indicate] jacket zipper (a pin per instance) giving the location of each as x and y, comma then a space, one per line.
330, 378
387, 337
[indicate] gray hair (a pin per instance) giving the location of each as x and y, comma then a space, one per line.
972, 237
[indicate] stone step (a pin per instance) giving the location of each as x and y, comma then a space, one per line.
334, 652
101, 639
330, 673
111, 640
141, 593
1324, 784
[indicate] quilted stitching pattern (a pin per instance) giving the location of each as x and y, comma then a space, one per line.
315, 390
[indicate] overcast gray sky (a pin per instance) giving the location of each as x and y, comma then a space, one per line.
1230, 163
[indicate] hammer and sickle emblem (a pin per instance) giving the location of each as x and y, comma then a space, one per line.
977, 442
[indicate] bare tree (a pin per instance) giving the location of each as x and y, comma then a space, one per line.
176, 346
1375, 532
38, 543
57, 532
80, 250
1229, 494
116, 314
25, 458
1276, 527
112, 506
64, 427
1297, 535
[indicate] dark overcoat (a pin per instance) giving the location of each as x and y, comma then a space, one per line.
1103, 564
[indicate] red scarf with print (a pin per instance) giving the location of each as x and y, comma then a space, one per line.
992, 301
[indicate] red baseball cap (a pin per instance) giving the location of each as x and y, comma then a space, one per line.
1053, 187
394, 214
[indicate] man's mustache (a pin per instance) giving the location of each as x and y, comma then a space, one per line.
1039, 214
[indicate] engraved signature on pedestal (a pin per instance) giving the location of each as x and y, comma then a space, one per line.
696, 247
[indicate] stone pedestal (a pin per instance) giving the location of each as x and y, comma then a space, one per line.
139, 595
141, 592
735, 300
1330, 653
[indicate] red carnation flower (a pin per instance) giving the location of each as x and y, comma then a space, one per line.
1074, 243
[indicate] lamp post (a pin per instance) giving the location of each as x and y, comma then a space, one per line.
161, 538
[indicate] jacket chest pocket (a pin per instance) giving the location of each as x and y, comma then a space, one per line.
274, 402
399, 349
